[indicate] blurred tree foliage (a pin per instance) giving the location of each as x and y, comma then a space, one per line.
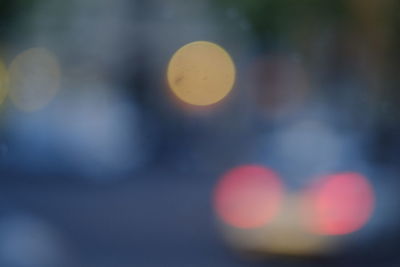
273, 19
11, 12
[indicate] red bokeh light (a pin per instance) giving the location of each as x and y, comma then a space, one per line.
248, 196
340, 204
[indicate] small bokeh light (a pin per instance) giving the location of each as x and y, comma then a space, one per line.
34, 79
248, 196
339, 204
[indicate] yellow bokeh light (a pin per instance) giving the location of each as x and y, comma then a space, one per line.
284, 235
3, 82
34, 79
201, 73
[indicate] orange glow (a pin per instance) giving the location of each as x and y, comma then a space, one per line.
340, 204
248, 196
283, 235
201, 73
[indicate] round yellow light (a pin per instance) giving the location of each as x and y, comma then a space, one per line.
34, 79
201, 73
3, 82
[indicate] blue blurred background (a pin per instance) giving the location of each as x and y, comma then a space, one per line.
99, 166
